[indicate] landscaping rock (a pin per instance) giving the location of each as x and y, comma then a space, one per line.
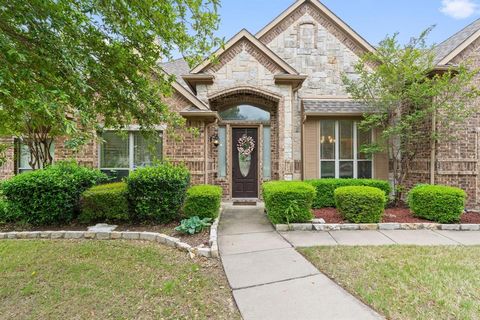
450, 227
301, 226
318, 221
469, 227
102, 227
204, 252
114, 235
148, 236
170, 241
369, 226
131, 235
57, 235
281, 227
350, 226
183, 246
103, 235
389, 226
3, 235
45, 234
89, 235
74, 234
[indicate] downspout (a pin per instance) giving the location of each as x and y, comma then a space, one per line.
433, 148
205, 151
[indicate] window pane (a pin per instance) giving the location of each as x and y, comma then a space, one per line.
327, 139
144, 152
222, 152
24, 157
267, 154
114, 151
364, 138
346, 169
328, 169
346, 139
245, 113
364, 169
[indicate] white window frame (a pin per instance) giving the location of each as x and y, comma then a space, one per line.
337, 159
131, 151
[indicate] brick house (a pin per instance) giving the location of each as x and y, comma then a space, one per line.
282, 87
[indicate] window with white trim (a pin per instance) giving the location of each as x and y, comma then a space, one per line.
24, 156
121, 153
340, 145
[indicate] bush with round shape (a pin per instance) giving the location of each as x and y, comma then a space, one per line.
203, 201
437, 203
105, 203
326, 187
359, 204
51, 195
157, 193
288, 201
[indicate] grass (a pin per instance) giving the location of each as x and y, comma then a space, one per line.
109, 280
407, 282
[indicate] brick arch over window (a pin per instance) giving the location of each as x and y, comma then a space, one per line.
265, 100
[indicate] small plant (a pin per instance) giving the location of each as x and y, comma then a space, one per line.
193, 225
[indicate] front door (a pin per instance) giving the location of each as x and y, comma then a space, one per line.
245, 163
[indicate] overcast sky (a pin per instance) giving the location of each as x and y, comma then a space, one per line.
372, 19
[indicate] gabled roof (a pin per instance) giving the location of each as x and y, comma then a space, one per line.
446, 51
328, 13
245, 35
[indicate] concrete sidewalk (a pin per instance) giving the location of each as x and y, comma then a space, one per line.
270, 280
382, 237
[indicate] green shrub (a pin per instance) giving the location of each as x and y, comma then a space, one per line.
51, 195
193, 225
326, 187
359, 204
288, 201
157, 193
437, 203
203, 201
104, 203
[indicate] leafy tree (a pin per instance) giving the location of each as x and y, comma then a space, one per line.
407, 97
68, 65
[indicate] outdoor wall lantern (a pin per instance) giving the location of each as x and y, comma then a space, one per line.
214, 139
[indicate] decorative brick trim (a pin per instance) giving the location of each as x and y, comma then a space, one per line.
376, 226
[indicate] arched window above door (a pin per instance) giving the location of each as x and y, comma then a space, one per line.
245, 112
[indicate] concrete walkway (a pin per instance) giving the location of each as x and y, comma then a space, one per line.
270, 280
383, 237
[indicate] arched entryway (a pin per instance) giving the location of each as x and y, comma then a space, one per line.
248, 132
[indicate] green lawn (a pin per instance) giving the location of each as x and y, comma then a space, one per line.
109, 280
407, 282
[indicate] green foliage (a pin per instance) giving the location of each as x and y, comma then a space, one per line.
157, 193
193, 225
437, 203
203, 201
326, 187
105, 203
51, 195
288, 201
406, 98
359, 204
65, 64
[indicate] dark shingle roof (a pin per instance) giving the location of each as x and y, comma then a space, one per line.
334, 107
449, 45
178, 68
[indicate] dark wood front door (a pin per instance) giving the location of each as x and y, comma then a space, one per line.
245, 164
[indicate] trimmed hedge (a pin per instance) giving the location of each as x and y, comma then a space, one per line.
107, 202
326, 187
157, 193
359, 204
288, 201
203, 201
49, 196
437, 203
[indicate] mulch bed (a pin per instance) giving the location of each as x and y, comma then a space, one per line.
195, 240
397, 215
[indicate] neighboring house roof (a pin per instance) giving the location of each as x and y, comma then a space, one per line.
333, 107
178, 68
244, 34
446, 51
329, 14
